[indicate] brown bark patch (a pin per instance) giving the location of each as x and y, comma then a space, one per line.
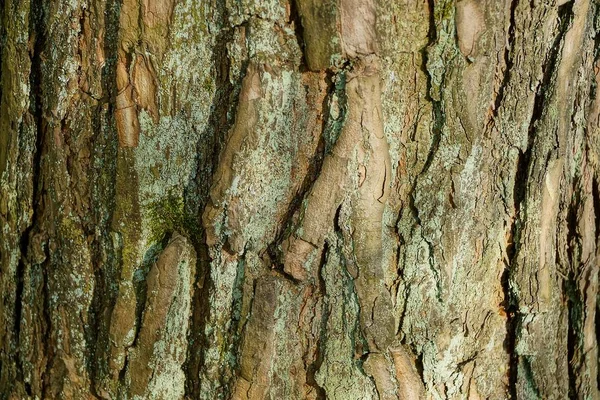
470, 24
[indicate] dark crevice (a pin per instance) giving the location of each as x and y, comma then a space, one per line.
221, 119
314, 170
511, 307
236, 313
525, 365
403, 313
49, 349
3, 136
432, 33
245, 318
430, 246
565, 16
414, 211
280, 271
597, 328
200, 314
437, 109
545, 87
140, 283
512, 324
37, 30
123, 371
103, 178
298, 31
572, 234
19, 276
436, 130
20, 272
313, 368
522, 174
508, 59
336, 220
416, 215
420, 368
2, 47
575, 304
519, 198
596, 202
332, 127
400, 242
470, 359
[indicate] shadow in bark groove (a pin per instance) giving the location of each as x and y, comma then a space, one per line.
104, 147
2, 46
574, 306
508, 60
437, 108
196, 192
313, 368
512, 323
298, 31
37, 27
520, 364
314, 169
575, 302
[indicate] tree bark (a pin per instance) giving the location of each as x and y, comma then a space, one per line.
299, 199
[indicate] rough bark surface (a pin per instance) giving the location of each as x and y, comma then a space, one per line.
299, 199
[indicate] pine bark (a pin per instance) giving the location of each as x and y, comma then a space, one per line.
299, 199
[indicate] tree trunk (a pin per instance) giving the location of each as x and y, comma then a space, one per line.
299, 199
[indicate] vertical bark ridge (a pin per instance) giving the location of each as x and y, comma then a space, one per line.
32, 376
104, 152
220, 121
508, 61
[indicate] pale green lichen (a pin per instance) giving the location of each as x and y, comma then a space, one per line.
340, 374
444, 49
272, 46
168, 353
263, 166
218, 356
269, 10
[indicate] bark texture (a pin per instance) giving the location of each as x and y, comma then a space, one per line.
299, 199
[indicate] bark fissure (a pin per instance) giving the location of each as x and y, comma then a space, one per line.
520, 366
436, 102
221, 120
549, 68
315, 366
48, 348
512, 326
2, 46
596, 204
573, 342
37, 33
103, 191
329, 133
508, 60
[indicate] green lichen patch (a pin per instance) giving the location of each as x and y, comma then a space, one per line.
168, 215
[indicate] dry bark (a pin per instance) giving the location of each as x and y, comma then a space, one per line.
299, 199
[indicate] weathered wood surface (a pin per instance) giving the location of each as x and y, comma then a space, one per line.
299, 199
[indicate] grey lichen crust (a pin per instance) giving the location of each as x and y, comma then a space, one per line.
156, 361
